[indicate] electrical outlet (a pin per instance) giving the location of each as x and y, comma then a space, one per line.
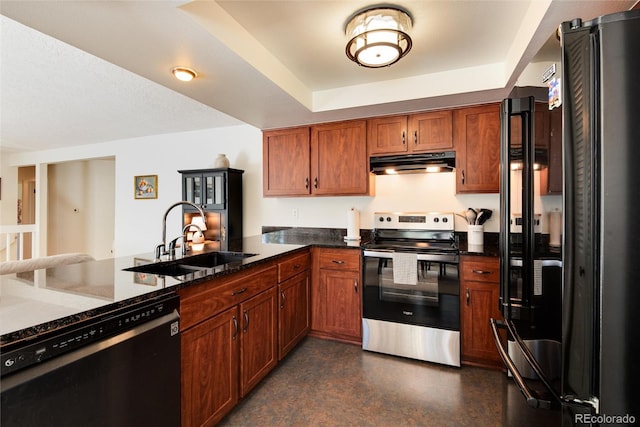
294, 213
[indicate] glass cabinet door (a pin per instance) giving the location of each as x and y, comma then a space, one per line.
207, 189
192, 189
214, 191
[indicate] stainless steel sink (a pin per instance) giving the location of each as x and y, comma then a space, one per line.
214, 259
166, 269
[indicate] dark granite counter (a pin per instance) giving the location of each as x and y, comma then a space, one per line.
491, 246
326, 237
47, 300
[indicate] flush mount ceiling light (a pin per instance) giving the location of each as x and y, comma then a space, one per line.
378, 36
184, 74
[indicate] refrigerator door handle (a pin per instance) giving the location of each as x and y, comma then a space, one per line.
532, 401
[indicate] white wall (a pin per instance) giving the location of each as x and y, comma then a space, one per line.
138, 223
81, 207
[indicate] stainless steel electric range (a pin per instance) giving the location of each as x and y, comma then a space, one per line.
411, 305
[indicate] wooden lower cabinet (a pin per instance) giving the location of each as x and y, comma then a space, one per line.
293, 316
229, 342
337, 295
479, 299
258, 339
234, 331
210, 366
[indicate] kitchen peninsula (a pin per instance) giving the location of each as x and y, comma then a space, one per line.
263, 299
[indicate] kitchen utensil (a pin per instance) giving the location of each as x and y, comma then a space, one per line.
471, 216
462, 214
479, 218
485, 216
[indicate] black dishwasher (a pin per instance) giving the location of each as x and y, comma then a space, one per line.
121, 369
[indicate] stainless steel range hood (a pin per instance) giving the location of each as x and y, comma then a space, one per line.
413, 163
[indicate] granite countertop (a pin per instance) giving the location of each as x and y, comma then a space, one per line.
491, 246
46, 300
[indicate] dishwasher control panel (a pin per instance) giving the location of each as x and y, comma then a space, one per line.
106, 325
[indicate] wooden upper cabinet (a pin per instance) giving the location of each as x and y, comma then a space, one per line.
321, 160
477, 144
286, 161
541, 131
339, 162
432, 131
387, 135
416, 133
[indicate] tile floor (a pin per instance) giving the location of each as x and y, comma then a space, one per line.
326, 383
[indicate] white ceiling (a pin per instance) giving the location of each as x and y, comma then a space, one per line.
81, 72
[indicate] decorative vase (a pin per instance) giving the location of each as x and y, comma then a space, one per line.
221, 161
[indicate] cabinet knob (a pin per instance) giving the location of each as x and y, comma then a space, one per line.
337, 261
282, 298
355, 286
462, 176
246, 321
239, 291
404, 140
315, 182
468, 296
415, 137
480, 272
306, 183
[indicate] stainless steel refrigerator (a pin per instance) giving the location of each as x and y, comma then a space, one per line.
599, 377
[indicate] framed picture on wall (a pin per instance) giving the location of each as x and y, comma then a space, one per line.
145, 187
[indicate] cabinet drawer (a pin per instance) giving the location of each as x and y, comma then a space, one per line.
218, 295
481, 269
292, 266
340, 259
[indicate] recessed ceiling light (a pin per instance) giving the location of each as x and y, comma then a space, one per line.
184, 74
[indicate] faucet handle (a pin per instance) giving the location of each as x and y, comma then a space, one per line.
159, 250
173, 244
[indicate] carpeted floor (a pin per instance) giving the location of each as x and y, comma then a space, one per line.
326, 383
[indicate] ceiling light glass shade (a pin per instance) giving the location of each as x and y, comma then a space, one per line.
378, 37
184, 74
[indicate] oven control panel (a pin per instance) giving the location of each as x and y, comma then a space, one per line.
414, 220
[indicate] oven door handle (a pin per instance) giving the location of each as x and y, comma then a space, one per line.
421, 257
532, 401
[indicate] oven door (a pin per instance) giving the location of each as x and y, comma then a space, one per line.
433, 301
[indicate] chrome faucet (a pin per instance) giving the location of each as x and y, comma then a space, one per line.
183, 236
161, 248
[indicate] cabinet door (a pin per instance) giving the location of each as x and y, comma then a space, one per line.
479, 304
214, 190
210, 354
339, 310
192, 188
293, 315
339, 162
258, 350
286, 159
387, 135
431, 131
477, 143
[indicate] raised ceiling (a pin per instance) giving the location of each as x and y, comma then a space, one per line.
82, 72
